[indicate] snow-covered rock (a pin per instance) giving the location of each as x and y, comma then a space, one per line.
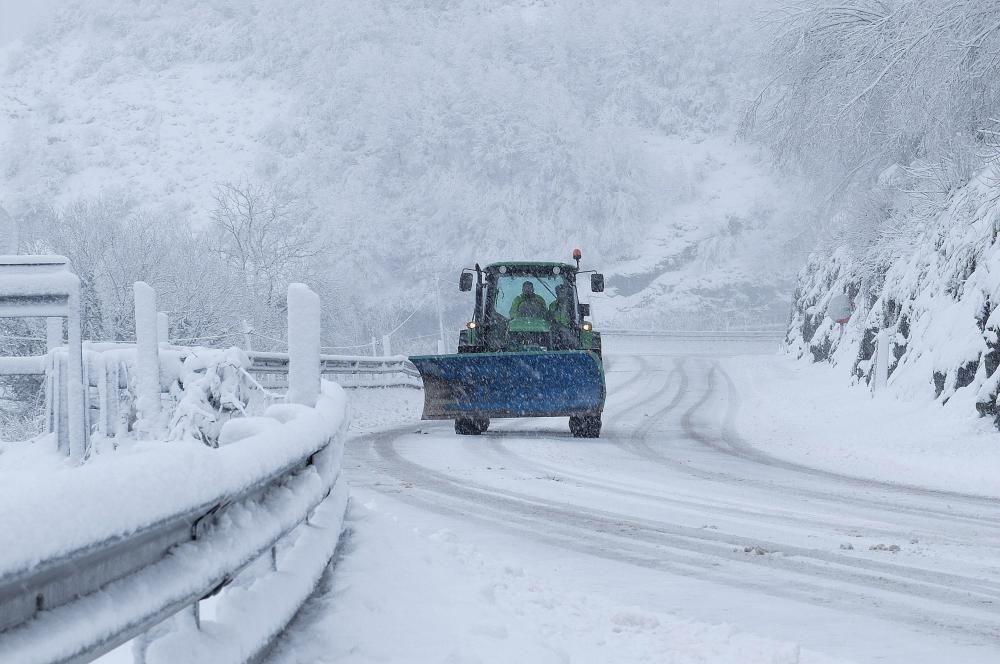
938, 300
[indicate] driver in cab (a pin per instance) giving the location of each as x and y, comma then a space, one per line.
528, 304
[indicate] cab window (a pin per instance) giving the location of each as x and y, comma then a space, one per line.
508, 287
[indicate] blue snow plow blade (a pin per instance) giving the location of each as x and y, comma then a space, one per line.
524, 384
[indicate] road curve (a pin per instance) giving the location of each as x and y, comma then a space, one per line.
672, 488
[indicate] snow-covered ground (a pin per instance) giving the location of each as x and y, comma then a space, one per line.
670, 539
806, 413
411, 589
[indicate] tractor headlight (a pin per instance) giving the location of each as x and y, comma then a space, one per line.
471, 325
587, 327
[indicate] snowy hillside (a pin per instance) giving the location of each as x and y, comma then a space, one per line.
884, 106
938, 300
426, 136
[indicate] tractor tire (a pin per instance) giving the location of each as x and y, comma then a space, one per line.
471, 426
585, 426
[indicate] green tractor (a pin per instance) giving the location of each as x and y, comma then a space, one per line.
527, 352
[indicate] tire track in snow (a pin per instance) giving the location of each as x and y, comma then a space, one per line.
845, 487
802, 574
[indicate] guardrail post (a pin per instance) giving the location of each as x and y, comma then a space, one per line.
53, 400
386, 346
76, 390
147, 357
107, 390
303, 345
88, 370
59, 406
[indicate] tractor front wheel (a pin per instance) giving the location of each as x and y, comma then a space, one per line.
471, 426
585, 426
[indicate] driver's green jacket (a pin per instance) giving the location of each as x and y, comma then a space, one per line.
558, 314
523, 300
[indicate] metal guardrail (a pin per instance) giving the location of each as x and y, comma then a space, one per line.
33, 596
760, 333
347, 370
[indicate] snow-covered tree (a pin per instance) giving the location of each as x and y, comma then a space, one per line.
860, 85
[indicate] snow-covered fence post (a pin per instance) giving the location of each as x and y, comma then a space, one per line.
303, 345
55, 397
76, 391
147, 355
44, 287
162, 327
53, 333
107, 390
882, 361
386, 346
54, 388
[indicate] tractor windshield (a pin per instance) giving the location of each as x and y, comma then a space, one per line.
515, 300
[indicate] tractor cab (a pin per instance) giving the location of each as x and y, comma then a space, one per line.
528, 306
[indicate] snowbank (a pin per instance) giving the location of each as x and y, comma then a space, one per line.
808, 415
382, 408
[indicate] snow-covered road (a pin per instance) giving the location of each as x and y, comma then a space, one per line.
671, 519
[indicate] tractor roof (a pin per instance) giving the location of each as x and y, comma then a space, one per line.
531, 265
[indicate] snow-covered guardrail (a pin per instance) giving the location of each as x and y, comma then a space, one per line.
109, 550
107, 373
347, 370
761, 333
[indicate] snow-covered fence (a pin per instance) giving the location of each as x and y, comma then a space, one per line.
152, 533
44, 286
348, 371
109, 371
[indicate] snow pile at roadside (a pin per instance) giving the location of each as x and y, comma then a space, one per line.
116, 494
384, 408
806, 414
938, 298
442, 600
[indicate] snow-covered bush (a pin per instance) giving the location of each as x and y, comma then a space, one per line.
215, 387
860, 85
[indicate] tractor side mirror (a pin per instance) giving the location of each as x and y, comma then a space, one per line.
597, 283
465, 282
584, 309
